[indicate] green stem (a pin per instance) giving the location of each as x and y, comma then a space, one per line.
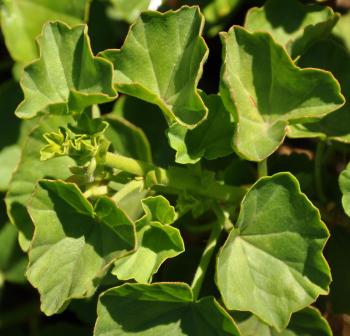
206, 256
127, 164
262, 168
175, 180
319, 157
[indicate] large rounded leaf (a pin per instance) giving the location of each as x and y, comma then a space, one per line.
160, 309
22, 21
276, 249
294, 25
68, 81
333, 57
73, 242
307, 322
150, 68
265, 91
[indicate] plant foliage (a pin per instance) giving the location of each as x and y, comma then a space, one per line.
158, 187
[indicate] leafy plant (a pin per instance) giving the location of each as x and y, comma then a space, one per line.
155, 188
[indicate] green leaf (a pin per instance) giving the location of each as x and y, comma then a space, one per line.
128, 139
166, 76
129, 197
212, 139
330, 56
160, 309
9, 158
12, 261
292, 24
157, 241
307, 322
12, 134
65, 82
30, 169
217, 9
276, 248
130, 10
344, 184
265, 91
73, 243
22, 21
341, 30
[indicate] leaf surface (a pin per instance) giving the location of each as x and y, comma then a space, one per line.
330, 56
12, 261
157, 242
307, 322
29, 170
25, 18
73, 242
265, 91
160, 309
128, 139
67, 77
293, 25
166, 74
276, 248
212, 139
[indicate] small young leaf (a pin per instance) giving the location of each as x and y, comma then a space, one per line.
166, 74
160, 309
73, 243
29, 170
22, 21
265, 91
294, 25
307, 322
65, 82
212, 139
276, 249
157, 241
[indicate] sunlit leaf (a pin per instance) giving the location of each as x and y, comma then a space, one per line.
265, 92
293, 24
160, 309
166, 74
65, 82
66, 261
276, 248
25, 18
